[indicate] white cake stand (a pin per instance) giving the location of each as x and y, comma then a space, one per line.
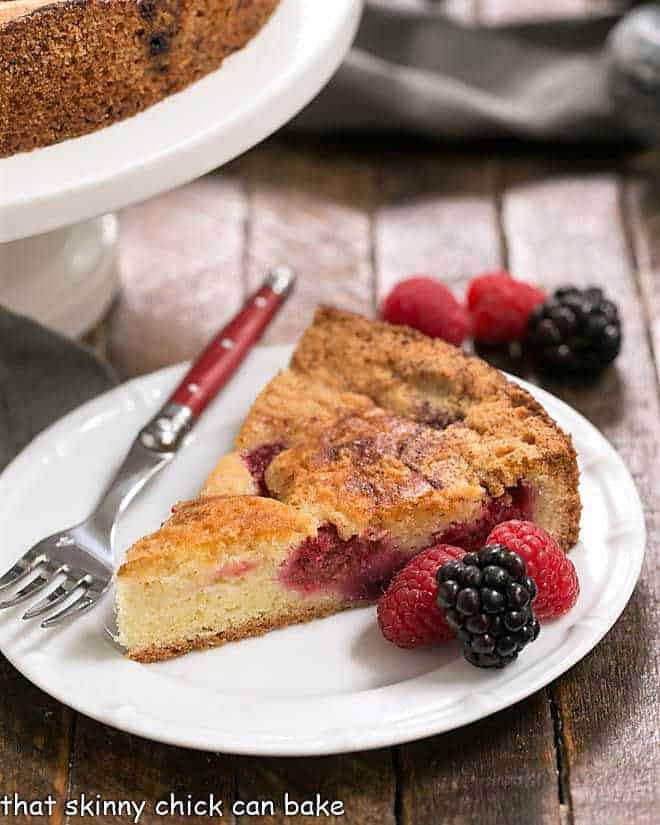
57, 233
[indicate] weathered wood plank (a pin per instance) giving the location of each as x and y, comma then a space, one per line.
35, 736
499, 771
565, 227
181, 268
439, 215
435, 217
364, 783
116, 766
642, 203
309, 209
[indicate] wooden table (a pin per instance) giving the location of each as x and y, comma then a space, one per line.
353, 218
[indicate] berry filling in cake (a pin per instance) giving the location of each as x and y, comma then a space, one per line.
360, 569
436, 419
516, 503
234, 570
258, 461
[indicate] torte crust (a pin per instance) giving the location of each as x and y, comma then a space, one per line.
209, 527
301, 614
70, 67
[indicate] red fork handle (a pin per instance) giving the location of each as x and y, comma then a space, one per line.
222, 357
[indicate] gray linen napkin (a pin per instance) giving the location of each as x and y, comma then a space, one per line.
42, 377
414, 69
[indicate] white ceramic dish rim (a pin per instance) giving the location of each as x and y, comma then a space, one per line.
35, 198
402, 727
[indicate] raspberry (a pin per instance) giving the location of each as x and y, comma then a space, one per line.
500, 307
408, 614
428, 306
553, 572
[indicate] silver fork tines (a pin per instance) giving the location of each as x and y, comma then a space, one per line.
32, 588
20, 570
56, 597
72, 569
77, 578
81, 605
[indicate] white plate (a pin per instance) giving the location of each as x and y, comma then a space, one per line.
255, 92
330, 686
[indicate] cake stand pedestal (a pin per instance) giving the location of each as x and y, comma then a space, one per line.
57, 234
65, 279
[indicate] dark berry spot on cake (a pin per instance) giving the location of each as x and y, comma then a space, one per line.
147, 9
359, 569
516, 503
258, 461
159, 43
436, 418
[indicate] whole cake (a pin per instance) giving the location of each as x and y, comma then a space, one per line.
69, 67
376, 443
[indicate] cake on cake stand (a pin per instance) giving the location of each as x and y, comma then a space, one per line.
57, 232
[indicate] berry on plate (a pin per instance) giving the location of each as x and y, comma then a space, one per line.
408, 614
500, 307
428, 306
553, 572
576, 333
486, 598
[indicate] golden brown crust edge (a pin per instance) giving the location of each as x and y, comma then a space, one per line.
195, 527
376, 358
426, 379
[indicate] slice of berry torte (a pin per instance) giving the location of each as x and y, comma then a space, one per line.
376, 443
69, 67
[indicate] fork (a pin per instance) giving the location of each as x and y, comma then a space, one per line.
74, 567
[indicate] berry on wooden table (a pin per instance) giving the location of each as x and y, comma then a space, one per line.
500, 307
408, 614
427, 305
550, 569
577, 333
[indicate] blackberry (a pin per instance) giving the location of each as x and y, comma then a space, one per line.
575, 334
487, 599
